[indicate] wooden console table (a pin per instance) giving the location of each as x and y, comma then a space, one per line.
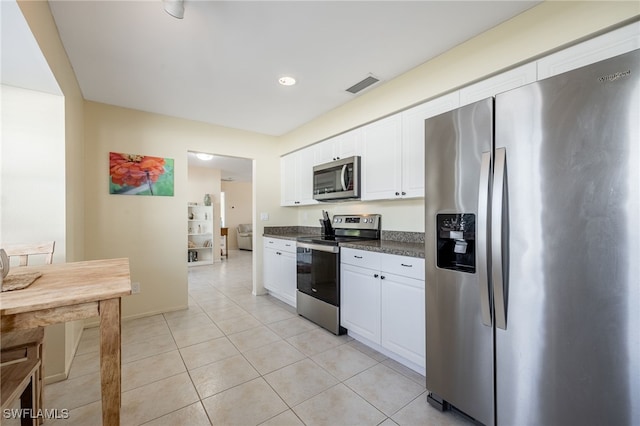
224, 249
73, 291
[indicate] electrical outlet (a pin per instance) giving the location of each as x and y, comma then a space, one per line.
135, 287
264, 216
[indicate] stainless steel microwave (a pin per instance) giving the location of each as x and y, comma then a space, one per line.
337, 180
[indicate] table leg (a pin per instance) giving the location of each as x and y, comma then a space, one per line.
110, 361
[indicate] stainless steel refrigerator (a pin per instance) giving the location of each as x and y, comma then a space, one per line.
533, 251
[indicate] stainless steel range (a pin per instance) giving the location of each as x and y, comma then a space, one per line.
318, 266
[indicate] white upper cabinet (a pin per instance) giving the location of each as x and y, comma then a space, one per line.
342, 146
382, 158
503, 82
612, 44
413, 141
296, 174
393, 151
288, 180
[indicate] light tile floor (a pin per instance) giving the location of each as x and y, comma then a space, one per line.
236, 359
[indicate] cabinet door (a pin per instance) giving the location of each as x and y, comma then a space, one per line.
360, 301
381, 159
288, 276
296, 174
270, 269
304, 181
413, 141
288, 180
342, 146
403, 317
324, 151
500, 83
348, 144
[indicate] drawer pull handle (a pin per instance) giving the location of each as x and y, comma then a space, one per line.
357, 257
408, 266
375, 275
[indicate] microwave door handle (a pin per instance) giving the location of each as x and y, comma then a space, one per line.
343, 176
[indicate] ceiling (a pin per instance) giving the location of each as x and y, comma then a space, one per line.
221, 63
23, 64
232, 169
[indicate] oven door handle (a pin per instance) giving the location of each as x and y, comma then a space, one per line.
328, 249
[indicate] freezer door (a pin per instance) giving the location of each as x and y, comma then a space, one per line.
569, 349
459, 367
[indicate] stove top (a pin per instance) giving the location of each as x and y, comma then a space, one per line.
331, 240
348, 228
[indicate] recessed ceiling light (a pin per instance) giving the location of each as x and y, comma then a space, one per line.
287, 81
203, 156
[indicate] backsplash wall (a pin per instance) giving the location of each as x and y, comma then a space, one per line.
397, 215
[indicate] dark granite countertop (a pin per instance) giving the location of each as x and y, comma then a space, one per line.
400, 248
283, 236
392, 242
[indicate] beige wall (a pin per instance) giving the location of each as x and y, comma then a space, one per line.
62, 339
239, 207
151, 231
44, 29
530, 35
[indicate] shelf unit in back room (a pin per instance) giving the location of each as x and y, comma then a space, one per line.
199, 234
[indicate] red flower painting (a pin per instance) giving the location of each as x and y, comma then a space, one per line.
136, 173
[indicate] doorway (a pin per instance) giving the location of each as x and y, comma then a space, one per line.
229, 182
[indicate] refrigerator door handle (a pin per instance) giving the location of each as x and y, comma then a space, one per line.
482, 238
498, 235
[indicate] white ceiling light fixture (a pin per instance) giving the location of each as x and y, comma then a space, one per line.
287, 81
204, 157
174, 8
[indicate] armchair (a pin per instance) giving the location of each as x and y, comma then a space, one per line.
244, 234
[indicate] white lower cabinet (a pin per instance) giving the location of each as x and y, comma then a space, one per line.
403, 325
279, 269
382, 303
360, 301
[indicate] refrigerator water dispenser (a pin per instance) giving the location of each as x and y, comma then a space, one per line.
456, 248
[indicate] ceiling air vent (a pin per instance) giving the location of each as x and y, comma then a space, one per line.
362, 84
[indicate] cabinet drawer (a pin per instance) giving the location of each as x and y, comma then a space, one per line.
362, 258
412, 267
279, 244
